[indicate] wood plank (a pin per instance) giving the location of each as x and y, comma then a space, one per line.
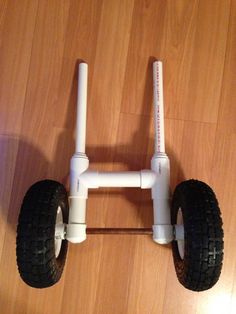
37, 116
17, 22
200, 61
8, 148
17, 30
148, 273
146, 44
197, 150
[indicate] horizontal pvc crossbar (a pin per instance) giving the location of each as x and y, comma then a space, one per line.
94, 179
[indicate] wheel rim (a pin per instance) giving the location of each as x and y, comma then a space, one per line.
58, 241
180, 243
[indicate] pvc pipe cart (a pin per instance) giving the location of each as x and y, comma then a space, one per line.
191, 220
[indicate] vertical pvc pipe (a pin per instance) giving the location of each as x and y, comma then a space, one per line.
158, 107
76, 228
81, 108
162, 228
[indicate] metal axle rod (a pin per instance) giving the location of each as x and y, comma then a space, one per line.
135, 231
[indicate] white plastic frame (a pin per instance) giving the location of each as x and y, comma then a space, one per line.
156, 179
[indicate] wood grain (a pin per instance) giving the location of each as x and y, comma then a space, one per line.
41, 44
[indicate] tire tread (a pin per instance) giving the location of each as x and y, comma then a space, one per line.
35, 251
201, 267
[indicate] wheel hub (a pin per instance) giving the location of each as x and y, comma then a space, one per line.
58, 238
180, 243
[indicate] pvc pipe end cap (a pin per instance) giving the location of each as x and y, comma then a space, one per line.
162, 234
76, 233
83, 65
161, 241
76, 239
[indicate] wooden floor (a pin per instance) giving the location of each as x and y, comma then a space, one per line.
41, 43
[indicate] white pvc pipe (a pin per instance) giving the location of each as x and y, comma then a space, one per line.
162, 228
81, 108
144, 179
76, 228
77, 210
158, 107
119, 179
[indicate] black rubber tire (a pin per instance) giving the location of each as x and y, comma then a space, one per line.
35, 245
201, 265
